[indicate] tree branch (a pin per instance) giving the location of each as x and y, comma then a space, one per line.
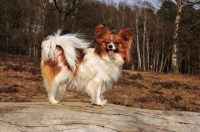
192, 3
55, 3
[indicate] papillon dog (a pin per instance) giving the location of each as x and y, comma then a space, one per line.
68, 63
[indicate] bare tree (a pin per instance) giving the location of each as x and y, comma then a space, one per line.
43, 12
145, 44
175, 66
175, 49
144, 39
137, 15
66, 8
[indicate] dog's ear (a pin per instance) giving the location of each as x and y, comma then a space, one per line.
126, 34
100, 31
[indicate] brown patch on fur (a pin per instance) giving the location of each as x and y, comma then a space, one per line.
100, 49
49, 71
127, 35
50, 68
121, 46
80, 58
80, 55
101, 31
102, 35
62, 57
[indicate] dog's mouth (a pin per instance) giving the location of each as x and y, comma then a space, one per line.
111, 49
111, 52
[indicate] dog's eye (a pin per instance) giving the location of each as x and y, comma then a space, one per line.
107, 42
116, 42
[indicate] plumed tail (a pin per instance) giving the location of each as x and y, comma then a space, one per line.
69, 44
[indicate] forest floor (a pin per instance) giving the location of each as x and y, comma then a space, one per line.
21, 81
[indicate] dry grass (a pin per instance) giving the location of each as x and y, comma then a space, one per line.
157, 91
21, 81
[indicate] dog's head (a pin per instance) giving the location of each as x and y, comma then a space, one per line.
112, 44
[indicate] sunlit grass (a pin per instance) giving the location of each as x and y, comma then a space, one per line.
21, 81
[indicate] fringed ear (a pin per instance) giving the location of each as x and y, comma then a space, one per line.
127, 35
100, 31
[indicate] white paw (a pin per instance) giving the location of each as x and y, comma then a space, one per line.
54, 101
101, 103
58, 100
105, 100
52, 98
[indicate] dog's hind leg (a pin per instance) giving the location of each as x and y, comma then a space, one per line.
52, 95
52, 99
51, 90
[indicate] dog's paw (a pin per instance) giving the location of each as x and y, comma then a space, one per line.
101, 103
54, 101
58, 100
105, 100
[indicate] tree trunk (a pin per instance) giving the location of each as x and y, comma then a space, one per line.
148, 54
144, 41
154, 62
43, 4
162, 56
137, 38
164, 64
63, 21
7, 38
175, 48
188, 64
66, 9
157, 61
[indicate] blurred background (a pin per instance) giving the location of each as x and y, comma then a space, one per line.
166, 33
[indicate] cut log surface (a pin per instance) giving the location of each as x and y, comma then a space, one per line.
84, 117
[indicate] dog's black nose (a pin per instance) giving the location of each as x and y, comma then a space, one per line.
110, 46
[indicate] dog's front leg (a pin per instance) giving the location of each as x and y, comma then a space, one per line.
94, 90
103, 89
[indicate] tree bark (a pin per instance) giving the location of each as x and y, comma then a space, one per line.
162, 55
144, 40
148, 65
137, 37
175, 48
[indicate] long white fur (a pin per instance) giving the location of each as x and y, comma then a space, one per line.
94, 76
68, 42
